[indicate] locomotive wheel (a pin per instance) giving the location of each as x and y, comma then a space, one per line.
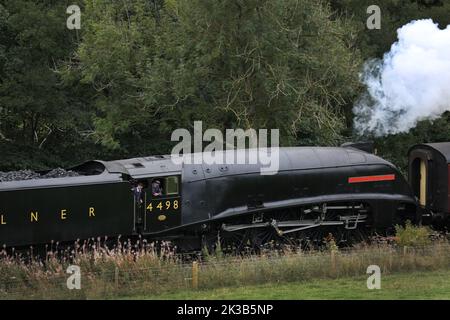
253, 240
244, 241
347, 238
248, 241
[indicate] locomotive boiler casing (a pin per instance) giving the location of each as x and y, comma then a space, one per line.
306, 176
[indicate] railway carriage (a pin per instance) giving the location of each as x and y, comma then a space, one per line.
429, 176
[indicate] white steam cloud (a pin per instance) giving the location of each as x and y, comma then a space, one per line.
410, 84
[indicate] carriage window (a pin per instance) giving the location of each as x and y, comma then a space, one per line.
172, 185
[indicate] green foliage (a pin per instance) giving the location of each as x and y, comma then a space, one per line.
32, 104
138, 69
330, 243
412, 236
394, 14
395, 147
229, 64
41, 119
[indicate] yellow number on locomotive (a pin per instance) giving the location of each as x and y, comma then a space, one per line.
160, 206
150, 207
175, 204
167, 205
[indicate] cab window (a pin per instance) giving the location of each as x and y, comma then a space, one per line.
172, 186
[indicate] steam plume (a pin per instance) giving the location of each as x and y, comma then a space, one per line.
410, 84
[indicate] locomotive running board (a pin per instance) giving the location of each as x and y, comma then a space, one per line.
349, 222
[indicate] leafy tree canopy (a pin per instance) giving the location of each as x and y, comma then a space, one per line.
138, 69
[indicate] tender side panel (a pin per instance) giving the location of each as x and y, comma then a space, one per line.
65, 213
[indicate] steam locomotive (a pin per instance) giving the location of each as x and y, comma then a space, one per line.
318, 190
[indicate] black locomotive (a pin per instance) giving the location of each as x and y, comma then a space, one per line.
317, 189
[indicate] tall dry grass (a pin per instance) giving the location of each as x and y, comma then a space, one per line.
134, 269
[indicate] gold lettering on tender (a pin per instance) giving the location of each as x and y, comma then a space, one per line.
63, 214
2, 219
34, 216
91, 212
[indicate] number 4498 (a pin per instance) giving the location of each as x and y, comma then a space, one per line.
163, 205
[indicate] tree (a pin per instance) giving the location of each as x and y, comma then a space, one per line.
394, 14
258, 63
31, 98
42, 121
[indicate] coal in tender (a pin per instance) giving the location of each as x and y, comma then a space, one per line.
18, 175
59, 173
31, 175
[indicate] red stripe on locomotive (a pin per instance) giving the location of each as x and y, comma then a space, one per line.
386, 177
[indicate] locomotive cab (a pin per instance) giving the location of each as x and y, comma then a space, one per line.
160, 207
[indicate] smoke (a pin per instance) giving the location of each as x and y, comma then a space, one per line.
410, 84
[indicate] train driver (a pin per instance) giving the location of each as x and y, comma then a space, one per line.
156, 188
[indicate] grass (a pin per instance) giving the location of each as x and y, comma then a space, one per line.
416, 285
137, 270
